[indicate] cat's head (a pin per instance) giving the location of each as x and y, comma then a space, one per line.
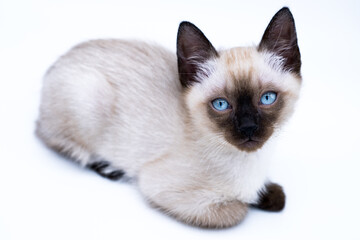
241, 95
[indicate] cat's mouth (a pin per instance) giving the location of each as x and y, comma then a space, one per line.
250, 145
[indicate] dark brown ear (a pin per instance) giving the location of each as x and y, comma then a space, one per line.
280, 38
193, 49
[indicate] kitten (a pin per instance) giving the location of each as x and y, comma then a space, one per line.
193, 131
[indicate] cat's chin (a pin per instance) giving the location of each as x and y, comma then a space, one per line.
250, 145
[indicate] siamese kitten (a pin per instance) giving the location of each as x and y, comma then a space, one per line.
192, 130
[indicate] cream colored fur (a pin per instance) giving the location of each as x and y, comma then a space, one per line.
122, 101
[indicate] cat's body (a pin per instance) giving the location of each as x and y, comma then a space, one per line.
121, 103
114, 93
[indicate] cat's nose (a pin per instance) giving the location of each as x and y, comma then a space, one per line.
248, 130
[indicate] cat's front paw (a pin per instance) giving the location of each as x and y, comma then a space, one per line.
272, 198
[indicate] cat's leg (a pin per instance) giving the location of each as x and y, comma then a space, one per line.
64, 145
70, 148
201, 212
192, 202
272, 198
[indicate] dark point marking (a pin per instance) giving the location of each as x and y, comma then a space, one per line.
280, 38
272, 198
247, 126
193, 49
115, 175
101, 167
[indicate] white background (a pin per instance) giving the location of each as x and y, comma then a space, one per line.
43, 196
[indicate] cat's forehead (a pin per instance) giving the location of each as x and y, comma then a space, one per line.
244, 70
247, 69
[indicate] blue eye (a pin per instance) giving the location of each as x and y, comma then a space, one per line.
220, 104
268, 98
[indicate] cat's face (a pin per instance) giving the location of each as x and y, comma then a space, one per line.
244, 98
242, 95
